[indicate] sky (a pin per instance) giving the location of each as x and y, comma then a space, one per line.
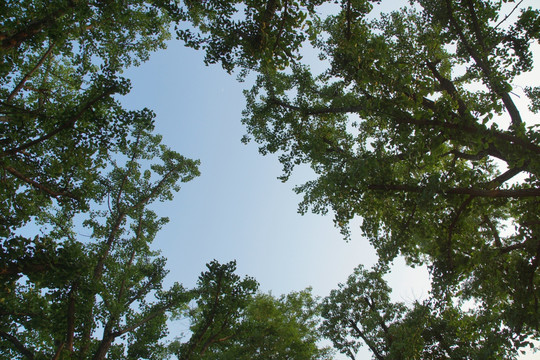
238, 209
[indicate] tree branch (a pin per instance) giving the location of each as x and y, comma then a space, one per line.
508, 15
452, 227
18, 345
366, 340
208, 322
58, 351
8, 42
488, 193
30, 73
39, 186
160, 310
494, 231
485, 67
448, 86
504, 177
381, 322
404, 118
98, 269
64, 126
213, 339
70, 333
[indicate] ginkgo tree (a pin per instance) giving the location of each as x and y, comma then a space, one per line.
58, 290
59, 74
413, 127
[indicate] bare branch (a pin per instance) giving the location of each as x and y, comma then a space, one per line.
508, 15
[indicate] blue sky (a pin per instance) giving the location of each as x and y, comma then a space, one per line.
237, 208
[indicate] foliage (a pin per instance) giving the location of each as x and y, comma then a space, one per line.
62, 129
230, 320
414, 128
103, 298
277, 328
70, 155
57, 290
361, 312
59, 66
247, 34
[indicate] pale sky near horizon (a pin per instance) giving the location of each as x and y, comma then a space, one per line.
238, 209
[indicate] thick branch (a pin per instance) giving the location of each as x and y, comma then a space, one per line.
504, 177
471, 157
494, 231
39, 186
485, 67
476, 25
30, 73
404, 118
105, 343
366, 340
510, 248
18, 345
489, 193
448, 86
70, 333
58, 351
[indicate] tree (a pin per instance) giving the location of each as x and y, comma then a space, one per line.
247, 34
282, 327
58, 290
230, 320
62, 130
71, 154
414, 128
361, 312
221, 296
59, 66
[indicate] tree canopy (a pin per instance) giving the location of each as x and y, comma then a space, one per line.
59, 74
413, 127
